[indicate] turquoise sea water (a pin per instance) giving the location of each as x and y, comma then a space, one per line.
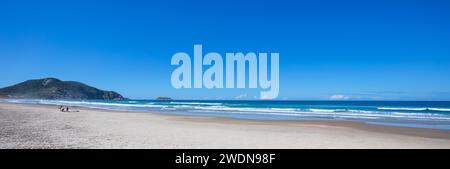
422, 114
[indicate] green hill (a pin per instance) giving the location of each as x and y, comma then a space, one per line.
52, 88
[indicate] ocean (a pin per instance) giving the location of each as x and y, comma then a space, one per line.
420, 114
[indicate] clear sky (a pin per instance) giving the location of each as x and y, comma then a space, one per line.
356, 50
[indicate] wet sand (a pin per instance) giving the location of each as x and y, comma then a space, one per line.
43, 126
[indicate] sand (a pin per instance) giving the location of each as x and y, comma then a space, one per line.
43, 126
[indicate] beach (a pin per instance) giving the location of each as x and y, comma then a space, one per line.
44, 126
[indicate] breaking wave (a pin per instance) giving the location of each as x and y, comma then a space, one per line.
262, 110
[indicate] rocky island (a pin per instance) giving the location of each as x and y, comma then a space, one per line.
164, 98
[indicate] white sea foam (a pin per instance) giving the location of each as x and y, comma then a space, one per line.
321, 110
87, 103
168, 108
440, 109
414, 113
402, 108
414, 108
336, 113
196, 103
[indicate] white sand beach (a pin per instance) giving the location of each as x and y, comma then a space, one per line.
43, 126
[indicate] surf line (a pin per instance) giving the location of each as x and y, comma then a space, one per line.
213, 77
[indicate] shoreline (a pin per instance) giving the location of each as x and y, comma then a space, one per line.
411, 131
125, 129
409, 114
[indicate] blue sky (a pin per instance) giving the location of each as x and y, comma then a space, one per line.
356, 50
